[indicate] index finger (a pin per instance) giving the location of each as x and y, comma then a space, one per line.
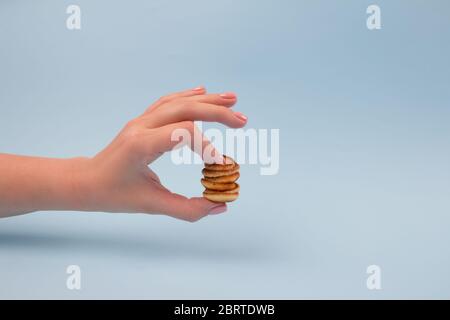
195, 111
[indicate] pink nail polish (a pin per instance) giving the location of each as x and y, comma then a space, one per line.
201, 88
241, 116
228, 95
218, 209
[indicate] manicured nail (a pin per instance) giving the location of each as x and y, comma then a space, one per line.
201, 88
228, 95
219, 209
241, 116
213, 158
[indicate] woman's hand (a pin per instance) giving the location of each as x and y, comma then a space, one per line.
118, 179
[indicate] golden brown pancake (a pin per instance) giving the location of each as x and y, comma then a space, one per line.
218, 185
220, 196
219, 173
235, 190
227, 164
224, 179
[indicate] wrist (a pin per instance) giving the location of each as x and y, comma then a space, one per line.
80, 185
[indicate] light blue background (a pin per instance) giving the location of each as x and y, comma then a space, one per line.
365, 146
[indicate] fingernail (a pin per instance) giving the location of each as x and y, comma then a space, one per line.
201, 88
228, 95
241, 116
219, 209
210, 159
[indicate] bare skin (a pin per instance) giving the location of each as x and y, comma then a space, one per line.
118, 178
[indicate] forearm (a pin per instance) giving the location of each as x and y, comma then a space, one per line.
30, 184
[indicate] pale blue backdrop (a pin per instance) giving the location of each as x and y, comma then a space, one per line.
364, 119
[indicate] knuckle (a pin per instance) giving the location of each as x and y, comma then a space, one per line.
164, 99
133, 123
133, 136
227, 114
221, 114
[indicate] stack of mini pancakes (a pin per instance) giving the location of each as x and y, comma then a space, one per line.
220, 181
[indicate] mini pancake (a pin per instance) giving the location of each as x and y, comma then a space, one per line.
220, 196
224, 179
218, 185
220, 181
227, 164
236, 189
216, 173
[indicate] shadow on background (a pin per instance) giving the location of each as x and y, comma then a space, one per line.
150, 247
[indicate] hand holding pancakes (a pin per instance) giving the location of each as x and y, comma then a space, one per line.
220, 181
118, 179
